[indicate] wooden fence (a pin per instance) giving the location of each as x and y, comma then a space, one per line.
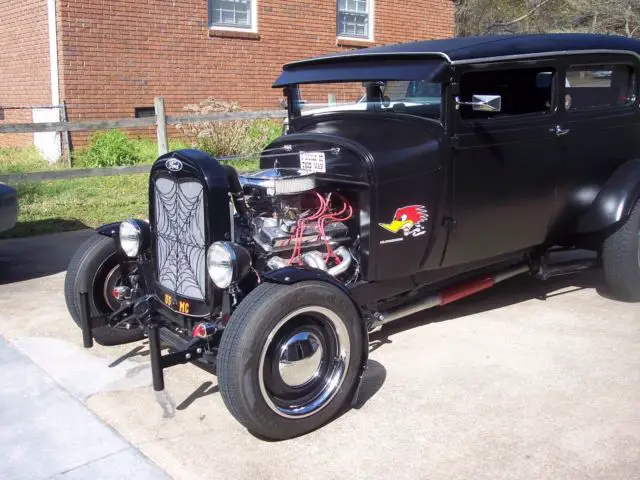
160, 120
11, 178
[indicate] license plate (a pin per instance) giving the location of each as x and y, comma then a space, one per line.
313, 162
183, 305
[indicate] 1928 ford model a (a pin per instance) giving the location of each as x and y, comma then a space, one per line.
437, 170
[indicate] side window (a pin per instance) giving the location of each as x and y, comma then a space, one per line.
523, 91
599, 86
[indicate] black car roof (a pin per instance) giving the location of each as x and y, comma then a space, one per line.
466, 49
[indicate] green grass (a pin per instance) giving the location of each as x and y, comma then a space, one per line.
23, 160
244, 164
113, 149
28, 159
63, 205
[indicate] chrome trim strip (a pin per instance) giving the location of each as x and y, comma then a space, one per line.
505, 58
525, 56
312, 61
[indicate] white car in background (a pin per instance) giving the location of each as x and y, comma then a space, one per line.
8, 207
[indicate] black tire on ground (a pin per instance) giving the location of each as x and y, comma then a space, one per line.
621, 259
92, 263
254, 328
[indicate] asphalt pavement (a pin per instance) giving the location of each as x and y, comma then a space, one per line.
528, 380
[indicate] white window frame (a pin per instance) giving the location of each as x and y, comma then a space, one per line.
253, 28
370, 37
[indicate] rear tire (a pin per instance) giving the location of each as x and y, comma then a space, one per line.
95, 264
290, 358
621, 259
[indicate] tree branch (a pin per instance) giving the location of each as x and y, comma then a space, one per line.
519, 19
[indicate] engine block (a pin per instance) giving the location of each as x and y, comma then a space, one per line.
275, 236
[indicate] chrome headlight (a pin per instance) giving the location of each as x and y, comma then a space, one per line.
131, 237
227, 263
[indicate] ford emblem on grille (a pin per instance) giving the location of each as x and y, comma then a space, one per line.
173, 164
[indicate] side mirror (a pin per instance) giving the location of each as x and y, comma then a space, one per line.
482, 103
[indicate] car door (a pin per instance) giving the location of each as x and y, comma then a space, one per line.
597, 125
505, 164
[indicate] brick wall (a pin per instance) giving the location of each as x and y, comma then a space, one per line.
119, 54
25, 76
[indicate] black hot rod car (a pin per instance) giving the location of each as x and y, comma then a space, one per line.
410, 176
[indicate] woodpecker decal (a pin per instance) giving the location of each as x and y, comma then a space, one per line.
410, 220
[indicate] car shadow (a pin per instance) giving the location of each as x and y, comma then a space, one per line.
207, 388
512, 292
517, 290
34, 257
44, 226
372, 381
139, 351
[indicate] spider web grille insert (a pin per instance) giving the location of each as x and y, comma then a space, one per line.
180, 236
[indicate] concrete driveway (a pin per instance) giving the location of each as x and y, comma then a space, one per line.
528, 380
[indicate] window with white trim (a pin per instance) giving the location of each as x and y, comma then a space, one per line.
232, 14
354, 19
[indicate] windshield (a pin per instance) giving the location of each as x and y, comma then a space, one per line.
413, 97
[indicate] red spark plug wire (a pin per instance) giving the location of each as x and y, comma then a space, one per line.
298, 232
334, 217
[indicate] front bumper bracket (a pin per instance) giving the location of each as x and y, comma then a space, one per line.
194, 350
144, 311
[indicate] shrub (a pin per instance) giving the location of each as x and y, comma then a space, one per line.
110, 149
263, 132
148, 149
222, 139
115, 148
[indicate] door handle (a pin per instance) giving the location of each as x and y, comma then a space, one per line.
559, 131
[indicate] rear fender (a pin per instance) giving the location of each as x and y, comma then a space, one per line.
615, 201
292, 275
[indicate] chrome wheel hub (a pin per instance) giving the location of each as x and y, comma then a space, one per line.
300, 358
304, 362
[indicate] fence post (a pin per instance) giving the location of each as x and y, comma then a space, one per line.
161, 123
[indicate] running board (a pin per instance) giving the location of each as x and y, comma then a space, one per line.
446, 296
549, 268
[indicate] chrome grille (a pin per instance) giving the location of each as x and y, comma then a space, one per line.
180, 236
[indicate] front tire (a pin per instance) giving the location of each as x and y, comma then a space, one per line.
100, 265
289, 358
621, 258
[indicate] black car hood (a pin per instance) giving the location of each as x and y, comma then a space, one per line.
390, 139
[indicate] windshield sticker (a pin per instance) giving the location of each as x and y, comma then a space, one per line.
313, 162
409, 220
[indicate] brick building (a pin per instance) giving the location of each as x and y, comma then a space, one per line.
107, 58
